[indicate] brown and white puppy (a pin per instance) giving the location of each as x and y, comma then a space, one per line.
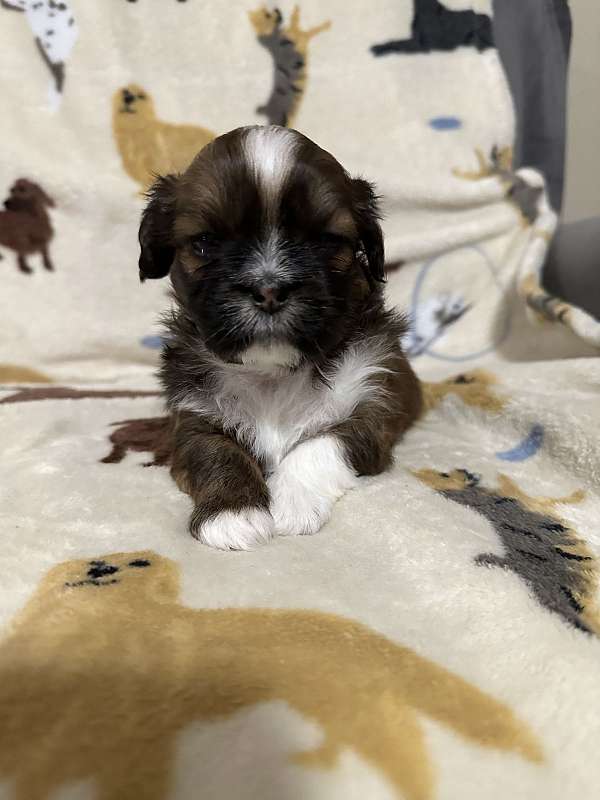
283, 371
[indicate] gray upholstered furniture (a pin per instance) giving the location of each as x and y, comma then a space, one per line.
534, 39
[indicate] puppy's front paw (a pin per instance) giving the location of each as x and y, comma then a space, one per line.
233, 530
306, 485
296, 509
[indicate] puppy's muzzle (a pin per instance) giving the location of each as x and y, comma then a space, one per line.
269, 297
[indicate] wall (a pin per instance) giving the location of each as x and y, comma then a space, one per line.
582, 198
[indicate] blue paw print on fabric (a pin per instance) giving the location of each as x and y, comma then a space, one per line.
153, 342
530, 445
445, 123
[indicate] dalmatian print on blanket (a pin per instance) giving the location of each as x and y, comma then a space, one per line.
54, 32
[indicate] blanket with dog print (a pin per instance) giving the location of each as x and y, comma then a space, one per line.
439, 638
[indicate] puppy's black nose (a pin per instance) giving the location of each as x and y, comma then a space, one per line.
270, 298
128, 97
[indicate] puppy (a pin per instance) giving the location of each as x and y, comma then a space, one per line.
283, 371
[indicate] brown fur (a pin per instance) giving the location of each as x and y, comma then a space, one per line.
214, 470
105, 669
25, 224
374, 428
147, 145
220, 473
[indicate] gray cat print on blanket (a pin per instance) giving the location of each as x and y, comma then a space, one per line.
436, 27
539, 547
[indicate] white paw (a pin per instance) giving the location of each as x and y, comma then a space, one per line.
236, 530
306, 485
296, 509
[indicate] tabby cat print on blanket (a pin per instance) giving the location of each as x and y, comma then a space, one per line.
288, 47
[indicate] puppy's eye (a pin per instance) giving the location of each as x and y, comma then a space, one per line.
141, 96
204, 245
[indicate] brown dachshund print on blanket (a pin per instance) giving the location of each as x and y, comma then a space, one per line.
150, 435
29, 395
288, 47
25, 224
105, 668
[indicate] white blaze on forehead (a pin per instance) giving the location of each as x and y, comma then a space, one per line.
269, 152
269, 262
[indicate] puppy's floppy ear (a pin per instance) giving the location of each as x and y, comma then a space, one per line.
157, 249
367, 215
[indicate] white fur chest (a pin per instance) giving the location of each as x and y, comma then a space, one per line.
270, 412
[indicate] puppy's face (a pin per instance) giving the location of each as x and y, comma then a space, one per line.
272, 247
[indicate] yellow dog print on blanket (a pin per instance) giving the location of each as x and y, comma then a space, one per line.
104, 667
147, 145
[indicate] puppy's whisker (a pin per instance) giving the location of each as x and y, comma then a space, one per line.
228, 327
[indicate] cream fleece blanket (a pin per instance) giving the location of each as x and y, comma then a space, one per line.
439, 638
